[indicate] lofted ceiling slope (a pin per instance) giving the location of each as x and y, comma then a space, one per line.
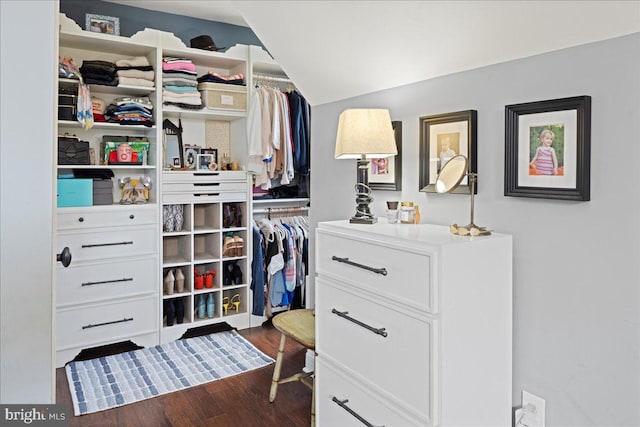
334, 50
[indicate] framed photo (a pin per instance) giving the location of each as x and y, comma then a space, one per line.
102, 24
190, 156
548, 149
441, 137
386, 173
205, 162
212, 151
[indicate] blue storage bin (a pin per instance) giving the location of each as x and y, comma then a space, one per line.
75, 192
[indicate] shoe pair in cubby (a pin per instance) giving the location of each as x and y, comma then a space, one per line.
205, 306
233, 245
232, 215
232, 273
172, 218
174, 281
204, 279
173, 310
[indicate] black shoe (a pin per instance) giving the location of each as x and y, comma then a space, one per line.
170, 311
179, 310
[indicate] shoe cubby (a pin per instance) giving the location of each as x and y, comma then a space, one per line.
206, 217
176, 311
206, 247
206, 306
171, 281
234, 273
235, 301
234, 244
206, 283
234, 215
176, 250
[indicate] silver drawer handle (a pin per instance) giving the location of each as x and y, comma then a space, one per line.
206, 173
107, 244
343, 314
206, 184
108, 323
126, 279
206, 195
382, 271
343, 405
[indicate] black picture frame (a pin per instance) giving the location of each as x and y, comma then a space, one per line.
460, 128
566, 122
392, 180
212, 151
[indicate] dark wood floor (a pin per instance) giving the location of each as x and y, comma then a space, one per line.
238, 401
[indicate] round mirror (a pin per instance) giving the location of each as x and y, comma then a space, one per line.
451, 174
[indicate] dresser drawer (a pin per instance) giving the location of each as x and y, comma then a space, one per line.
337, 394
109, 243
82, 283
194, 176
110, 322
197, 188
113, 216
402, 273
402, 362
203, 197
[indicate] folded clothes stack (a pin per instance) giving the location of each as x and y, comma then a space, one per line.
179, 83
211, 77
130, 110
136, 71
99, 72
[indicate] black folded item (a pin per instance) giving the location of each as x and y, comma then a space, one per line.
72, 151
98, 67
93, 173
139, 68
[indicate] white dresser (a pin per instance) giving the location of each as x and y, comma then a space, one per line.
413, 326
109, 292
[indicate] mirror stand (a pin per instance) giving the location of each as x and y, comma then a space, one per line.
471, 229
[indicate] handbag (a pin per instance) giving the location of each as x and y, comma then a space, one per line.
72, 151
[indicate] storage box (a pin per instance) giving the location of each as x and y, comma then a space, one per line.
75, 192
140, 152
67, 99
102, 192
223, 96
67, 112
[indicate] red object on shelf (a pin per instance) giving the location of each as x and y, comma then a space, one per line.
198, 282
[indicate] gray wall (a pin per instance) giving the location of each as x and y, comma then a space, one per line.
26, 258
576, 306
134, 19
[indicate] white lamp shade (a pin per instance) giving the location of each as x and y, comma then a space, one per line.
365, 132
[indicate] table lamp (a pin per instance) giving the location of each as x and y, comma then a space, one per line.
364, 134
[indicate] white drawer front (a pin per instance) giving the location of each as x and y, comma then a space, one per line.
408, 274
114, 216
81, 283
193, 176
402, 363
109, 243
203, 187
99, 323
205, 197
337, 394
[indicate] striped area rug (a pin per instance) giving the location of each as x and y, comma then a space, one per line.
112, 381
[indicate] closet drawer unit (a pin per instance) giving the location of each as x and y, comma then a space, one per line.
109, 243
401, 274
98, 323
81, 283
346, 328
113, 217
200, 177
337, 394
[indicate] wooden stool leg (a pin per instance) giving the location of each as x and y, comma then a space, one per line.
276, 369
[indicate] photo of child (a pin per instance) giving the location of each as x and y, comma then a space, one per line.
546, 143
380, 166
448, 147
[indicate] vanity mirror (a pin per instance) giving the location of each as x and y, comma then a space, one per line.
172, 145
448, 179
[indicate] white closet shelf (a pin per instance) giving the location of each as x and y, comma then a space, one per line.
282, 201
115, 90
98, 42
205, 58
141, 167
103, 125
204, 114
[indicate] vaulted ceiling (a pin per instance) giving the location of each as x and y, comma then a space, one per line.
338, 49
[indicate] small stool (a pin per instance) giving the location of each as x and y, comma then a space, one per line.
299, 325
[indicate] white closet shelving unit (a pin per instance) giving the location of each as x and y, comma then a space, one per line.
109, 293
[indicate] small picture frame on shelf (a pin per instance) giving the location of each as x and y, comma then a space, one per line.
102, 24
212, 151
176, 162
190, 156
204, 162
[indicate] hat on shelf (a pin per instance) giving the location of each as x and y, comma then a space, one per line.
205, 42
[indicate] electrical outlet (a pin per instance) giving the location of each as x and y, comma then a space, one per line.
532, 413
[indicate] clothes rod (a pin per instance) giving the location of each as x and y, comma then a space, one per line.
271, 78
281, 210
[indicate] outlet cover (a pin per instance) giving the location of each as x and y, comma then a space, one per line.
534, 410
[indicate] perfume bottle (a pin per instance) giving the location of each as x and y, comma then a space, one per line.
226, 162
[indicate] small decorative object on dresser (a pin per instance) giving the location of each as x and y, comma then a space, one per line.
404, 336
